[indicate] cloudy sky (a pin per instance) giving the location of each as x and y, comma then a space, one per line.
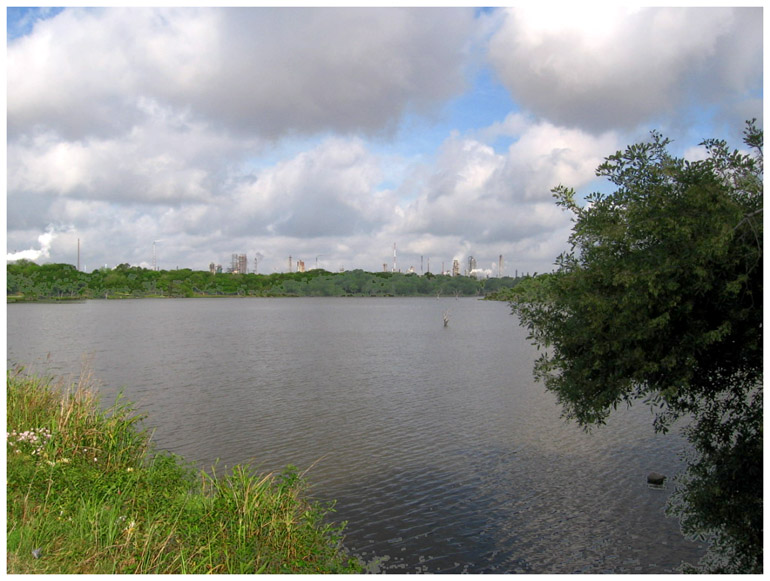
330, 135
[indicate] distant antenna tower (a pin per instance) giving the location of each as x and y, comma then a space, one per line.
289, 263
394, 257
154, 256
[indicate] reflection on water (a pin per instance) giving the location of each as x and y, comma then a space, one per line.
441, 452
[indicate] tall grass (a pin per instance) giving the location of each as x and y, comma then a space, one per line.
87, 493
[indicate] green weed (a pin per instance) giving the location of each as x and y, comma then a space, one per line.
87, 493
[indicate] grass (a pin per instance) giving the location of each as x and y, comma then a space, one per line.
87, 493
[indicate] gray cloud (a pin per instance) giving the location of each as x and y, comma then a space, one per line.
347, 70
330, 190
161, 160
599, 67
476, 193
268, 72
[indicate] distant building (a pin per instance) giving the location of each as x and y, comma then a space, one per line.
300, 266
471, 264
240, 265
455, 268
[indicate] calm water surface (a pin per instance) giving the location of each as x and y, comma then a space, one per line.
442, 453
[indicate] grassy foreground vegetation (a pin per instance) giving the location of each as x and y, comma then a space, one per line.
87, 493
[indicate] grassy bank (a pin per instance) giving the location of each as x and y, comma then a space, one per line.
87, 493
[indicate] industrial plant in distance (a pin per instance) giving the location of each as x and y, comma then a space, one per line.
240, 265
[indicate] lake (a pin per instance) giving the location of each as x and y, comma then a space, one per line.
441, 451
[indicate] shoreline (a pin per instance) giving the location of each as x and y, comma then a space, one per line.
87, 492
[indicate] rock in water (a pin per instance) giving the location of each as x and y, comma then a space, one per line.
655, 478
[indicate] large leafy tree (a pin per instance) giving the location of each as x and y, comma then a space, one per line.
660, 300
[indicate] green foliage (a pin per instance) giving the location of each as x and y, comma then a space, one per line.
54, 281
660, 299
28, 281
88, 494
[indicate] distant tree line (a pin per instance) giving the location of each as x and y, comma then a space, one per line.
28, 281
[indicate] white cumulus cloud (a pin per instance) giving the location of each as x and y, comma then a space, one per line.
600, 67
337, 132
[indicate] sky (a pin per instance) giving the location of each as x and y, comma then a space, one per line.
329, 135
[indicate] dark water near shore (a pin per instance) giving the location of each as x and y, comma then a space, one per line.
441, 451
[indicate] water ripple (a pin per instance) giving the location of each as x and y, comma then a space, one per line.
441, 452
